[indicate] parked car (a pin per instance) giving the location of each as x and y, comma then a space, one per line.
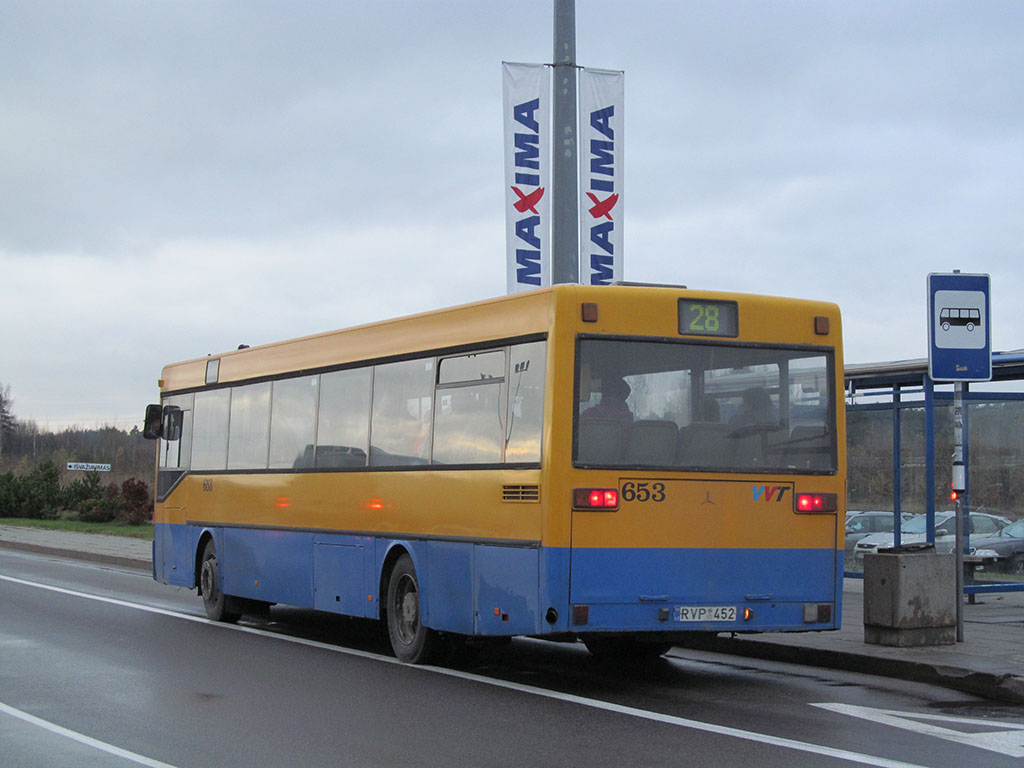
982, 525
861, 524
1002, 552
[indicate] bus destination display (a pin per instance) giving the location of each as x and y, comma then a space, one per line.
708, 318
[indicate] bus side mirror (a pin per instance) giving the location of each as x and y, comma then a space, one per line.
153, 424
173, 418
163, 422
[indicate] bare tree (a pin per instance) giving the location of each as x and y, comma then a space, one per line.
6, 414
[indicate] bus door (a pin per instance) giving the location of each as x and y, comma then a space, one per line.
175, 449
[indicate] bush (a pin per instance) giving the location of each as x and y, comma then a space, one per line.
96, 511
38, 493
103, 508
10, 495
136, 503
81, 490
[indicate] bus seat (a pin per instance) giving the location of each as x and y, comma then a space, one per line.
600, 441
748, 450
305, 459
339, 456
652, 442
705, 444
809, 447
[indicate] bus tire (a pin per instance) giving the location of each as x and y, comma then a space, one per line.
214, 601
411, 641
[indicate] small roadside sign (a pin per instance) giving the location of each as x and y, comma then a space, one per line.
959, 327
83, 467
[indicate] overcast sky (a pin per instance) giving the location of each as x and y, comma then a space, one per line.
180, 177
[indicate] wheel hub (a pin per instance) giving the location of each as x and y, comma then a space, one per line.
407, 603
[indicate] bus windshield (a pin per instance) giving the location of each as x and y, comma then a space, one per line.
699, 406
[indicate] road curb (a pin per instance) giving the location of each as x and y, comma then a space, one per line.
1000, 687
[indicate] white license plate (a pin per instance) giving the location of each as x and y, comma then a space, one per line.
705, 613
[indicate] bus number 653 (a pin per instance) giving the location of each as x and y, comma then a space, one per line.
643, 491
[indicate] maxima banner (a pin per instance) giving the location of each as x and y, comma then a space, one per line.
601, 98
527, 115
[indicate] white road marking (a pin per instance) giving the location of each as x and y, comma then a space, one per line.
697, 725
1008, 741
110, 749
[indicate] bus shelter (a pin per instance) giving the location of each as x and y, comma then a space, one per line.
897, 416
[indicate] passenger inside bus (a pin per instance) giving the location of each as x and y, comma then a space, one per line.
710, 411
605, 427
613, 406
756, 409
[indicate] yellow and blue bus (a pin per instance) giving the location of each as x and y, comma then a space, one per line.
624, 465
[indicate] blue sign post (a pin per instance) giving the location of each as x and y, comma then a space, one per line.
959, 328
959, 350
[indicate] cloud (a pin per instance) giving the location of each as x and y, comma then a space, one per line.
180, 177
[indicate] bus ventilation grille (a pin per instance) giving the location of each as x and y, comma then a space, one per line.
520, 493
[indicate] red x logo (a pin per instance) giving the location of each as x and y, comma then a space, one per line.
602, 207
528, 202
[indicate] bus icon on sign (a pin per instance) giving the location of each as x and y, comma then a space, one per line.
968, 317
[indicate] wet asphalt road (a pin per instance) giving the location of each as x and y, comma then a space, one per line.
104, 667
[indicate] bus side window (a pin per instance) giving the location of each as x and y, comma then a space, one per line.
210, 429
525, 420
343, 419
469, 415
249, 426
293, 422
400, 424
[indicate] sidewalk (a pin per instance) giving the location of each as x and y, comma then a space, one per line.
989, 663
113, 550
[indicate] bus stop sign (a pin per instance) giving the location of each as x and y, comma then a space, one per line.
959, 327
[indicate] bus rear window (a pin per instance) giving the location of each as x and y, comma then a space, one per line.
687, 406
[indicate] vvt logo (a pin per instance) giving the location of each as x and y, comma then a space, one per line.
769, 493
603, 196
527, 176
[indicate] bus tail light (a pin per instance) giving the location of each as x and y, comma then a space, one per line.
817, 502
597, 499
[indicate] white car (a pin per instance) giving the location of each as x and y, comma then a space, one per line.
915, 531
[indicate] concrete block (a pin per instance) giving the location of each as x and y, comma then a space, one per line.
910, 599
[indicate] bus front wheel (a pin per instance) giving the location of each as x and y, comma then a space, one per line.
214, 601
411, 641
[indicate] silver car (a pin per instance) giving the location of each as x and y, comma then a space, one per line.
861, 524
915, 531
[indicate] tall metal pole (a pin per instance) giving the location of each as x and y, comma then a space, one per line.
959, 485
565, 260
929, 458
897, 467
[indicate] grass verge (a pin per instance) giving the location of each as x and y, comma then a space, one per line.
110, 529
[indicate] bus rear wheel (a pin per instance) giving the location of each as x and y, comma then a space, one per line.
214, 601
411, 641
